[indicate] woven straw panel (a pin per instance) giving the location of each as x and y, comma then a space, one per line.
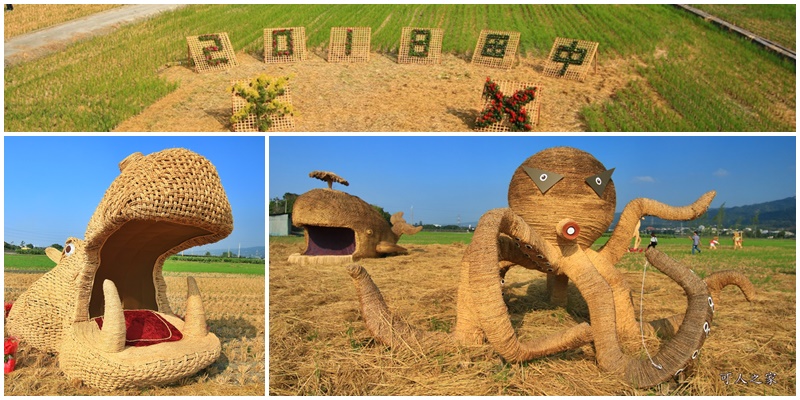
199, 59
359, 50
298, 40
496, 62
508, 88
434, 46
573, 71
280, 124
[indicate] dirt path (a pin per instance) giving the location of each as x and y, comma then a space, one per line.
42, 42
378, 96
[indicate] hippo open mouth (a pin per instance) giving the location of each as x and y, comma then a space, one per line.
104, 307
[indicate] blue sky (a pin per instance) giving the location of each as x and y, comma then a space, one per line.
52, 185
451, 177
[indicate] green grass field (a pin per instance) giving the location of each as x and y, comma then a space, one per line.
695, 77
16, 262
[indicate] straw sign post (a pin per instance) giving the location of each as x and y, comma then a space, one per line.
211, 52
420, 46
349, 44
496, 49
284, 45
509, 106
571, 58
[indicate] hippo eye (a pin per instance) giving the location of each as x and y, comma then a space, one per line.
599, 182
69, 249
544, 180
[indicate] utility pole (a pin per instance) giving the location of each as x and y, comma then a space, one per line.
239, 254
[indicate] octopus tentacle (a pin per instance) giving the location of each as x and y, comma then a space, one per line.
667, 327
384, 326
718, 280
617, 244
681, 349
482, 311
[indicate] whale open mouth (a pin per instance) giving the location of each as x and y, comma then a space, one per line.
330, 241
124, 298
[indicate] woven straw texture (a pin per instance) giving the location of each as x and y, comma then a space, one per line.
283, 123
569, 198
199, 58
349, 44
496, 49
174, 188
415, 38
134, 366
582, 56
508, 88
42, 314
277, 44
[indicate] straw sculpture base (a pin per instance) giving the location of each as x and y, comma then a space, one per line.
561, 201
303, 260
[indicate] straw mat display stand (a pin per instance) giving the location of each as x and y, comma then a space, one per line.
496, 49
198, 57
284, 45
508, 88
349, 44
420, 46
571, 59
284, 123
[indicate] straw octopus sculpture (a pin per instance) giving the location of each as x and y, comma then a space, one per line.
104, 308
561, 201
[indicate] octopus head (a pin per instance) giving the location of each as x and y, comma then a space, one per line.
564, 193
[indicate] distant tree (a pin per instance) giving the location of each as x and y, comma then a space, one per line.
208, 254
755, 223
283, 205
384, 214
57, 246
719, 219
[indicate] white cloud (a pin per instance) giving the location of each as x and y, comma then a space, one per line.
644, 179
721, 173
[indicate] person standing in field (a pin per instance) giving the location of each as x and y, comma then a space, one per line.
653, 241
714, 243
695, 242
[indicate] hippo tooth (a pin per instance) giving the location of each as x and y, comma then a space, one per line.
195, 321
112, 336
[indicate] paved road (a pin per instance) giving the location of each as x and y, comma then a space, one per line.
42, 42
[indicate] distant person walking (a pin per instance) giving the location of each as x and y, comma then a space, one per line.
653, 241
695, 242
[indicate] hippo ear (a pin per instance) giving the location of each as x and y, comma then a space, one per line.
129, 159
53, 254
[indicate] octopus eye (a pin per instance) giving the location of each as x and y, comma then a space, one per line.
69, 249
544, 180
599, 182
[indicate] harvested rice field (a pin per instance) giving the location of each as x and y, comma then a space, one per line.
319, 344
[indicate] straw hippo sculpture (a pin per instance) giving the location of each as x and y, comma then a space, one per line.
561, 200
104, 307
341, 228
